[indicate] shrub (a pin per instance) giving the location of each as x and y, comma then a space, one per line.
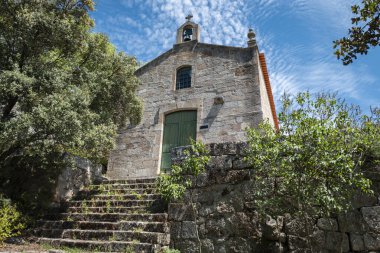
313, 163
11, 221
172, 186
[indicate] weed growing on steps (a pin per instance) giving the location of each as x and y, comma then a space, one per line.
138, 230
112, 238
84, 208
108, 206
129, 249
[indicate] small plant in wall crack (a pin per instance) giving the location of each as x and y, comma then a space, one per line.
173, 186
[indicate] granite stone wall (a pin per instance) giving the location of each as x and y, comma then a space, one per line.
225, 219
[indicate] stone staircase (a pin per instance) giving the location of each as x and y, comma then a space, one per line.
117, 216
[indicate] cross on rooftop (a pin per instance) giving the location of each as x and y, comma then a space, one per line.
189, 17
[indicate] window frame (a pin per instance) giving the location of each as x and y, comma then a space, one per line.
179, 85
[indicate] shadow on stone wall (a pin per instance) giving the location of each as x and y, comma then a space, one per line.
227, 220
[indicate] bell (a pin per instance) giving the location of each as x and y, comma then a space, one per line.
187, 34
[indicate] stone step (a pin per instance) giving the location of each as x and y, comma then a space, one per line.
148, 217
116, 246
117, 235
109, 203
126, 197
131, 181
160, 227
118, 209
89, 193
104, 187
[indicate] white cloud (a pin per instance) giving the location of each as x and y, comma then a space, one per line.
297, 61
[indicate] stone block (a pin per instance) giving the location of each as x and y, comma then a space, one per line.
372, 217
203, 180
372, 241
298, 227
352, 221
216, 227
240, 224
357, 242
238, 245
241, 148
239, 163
175, 230
207, 246
224, 208
318, 240
297, 243
328, 224
361, 199
189, 230
216, 149
236, 176
180, 212
188, 246
337, 242
220, 162
271, 229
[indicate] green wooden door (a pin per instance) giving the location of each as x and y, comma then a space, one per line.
179, 128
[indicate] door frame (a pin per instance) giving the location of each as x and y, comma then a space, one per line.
189, 105
181, 119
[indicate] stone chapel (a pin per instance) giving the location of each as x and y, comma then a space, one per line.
206, 92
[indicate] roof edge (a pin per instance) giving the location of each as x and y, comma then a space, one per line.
269, 89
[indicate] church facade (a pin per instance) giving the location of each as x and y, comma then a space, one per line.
210, 93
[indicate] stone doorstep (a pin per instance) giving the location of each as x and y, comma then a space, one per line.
117, 235
112, 203
159, 217
98, 245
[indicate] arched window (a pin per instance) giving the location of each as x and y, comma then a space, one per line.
183, 79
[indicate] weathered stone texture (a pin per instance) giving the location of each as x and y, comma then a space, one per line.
72, 179
224, 72
227, 222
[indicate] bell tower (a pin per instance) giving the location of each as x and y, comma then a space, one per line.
188, 31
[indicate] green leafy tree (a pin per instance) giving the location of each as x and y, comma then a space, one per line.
313, 164
364, 34
63, 89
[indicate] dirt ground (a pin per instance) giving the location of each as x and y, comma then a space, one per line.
25, 248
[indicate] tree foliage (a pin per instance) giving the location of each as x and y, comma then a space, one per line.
63, 89
313, 164
364, 34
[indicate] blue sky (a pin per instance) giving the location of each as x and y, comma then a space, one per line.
295, 35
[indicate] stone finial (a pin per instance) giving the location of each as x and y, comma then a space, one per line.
251, 38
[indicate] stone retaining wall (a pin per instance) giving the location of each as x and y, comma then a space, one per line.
226, 220
72, 180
